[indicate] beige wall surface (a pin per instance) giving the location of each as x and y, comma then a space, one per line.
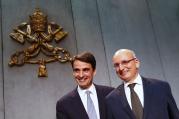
149, 27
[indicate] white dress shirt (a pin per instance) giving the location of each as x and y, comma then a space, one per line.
138, 89
93, 96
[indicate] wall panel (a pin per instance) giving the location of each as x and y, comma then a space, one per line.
165, 19
88, 35
26, 95
127, 24
1, 72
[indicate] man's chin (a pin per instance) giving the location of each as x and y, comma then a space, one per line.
83, 87
124, 78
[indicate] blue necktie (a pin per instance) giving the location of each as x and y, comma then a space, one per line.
90, 107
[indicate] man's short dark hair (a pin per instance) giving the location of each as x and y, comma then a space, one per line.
86, 57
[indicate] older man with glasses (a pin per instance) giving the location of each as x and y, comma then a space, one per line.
138, 97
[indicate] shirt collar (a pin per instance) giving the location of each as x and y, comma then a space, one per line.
138, 81
83, 91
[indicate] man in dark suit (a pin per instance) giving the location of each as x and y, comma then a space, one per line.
138, 97
75, 104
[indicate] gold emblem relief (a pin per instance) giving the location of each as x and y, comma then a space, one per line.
39, 33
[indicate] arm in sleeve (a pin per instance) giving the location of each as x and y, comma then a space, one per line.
60, 112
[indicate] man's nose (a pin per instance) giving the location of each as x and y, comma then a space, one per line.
81, 74
120, 67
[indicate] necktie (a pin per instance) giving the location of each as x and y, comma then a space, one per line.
136, 104
90, 107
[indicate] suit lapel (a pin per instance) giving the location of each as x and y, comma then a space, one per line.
123, 99
147, 96
79, 105
100, 102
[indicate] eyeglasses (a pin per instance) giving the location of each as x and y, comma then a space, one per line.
123, 63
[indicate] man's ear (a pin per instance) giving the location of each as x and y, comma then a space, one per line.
94, 73
137, 63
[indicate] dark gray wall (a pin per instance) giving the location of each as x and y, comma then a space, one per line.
149, 27
1, 73
88, 35
127, 24
165, 22
26, 95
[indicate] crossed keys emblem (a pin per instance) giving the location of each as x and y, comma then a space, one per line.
39, 33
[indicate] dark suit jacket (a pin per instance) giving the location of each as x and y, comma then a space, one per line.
158, 102
71, 107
